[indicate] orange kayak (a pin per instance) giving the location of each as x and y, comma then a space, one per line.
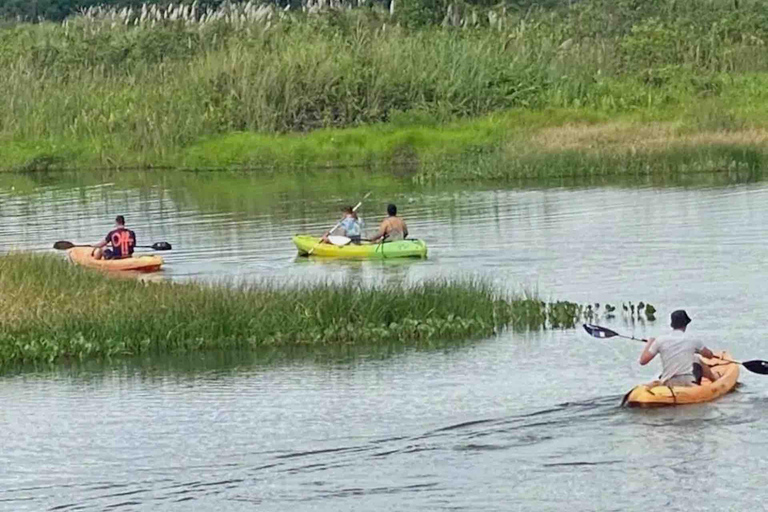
82, 256
654, 395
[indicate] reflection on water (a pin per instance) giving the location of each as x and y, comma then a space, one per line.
525, 421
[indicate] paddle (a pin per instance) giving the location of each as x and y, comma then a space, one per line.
755, 366
339, 223
603, 332
338, 240
63, 245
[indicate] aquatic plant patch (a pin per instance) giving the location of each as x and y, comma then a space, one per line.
53, 311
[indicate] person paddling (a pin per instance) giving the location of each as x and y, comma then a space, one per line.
121, 239
681, 366
393, 227
351, 226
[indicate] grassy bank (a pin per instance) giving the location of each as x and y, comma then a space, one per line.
50, 311
520, 90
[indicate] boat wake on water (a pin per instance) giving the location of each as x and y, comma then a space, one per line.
521, 453
505, 433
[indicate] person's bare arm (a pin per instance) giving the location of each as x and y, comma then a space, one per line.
647, 356
98, 245
382, 232
706, 353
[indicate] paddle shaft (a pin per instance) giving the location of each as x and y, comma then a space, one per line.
339, 223
755, 366
64, 245
713, 354
632, 338
135, 246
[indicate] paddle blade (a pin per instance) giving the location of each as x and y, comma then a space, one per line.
161, 246
756, 366
599, 332
338, 240
63, 245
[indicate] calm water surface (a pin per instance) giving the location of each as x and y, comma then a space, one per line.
518, 422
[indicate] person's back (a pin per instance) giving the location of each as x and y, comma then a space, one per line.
352, 226
393, 227
678, 354
123, 241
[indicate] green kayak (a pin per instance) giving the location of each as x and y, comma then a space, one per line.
363, 251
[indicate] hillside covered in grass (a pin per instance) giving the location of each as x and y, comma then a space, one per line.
250, 85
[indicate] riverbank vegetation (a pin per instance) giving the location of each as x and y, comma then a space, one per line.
596, 86
53, 311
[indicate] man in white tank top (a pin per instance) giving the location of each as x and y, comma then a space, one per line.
678, 354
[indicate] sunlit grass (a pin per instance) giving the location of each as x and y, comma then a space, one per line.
51, 310
253, 86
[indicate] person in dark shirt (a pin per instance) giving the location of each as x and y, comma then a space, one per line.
121, 239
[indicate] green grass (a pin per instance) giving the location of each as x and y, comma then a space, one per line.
359, 88
499, 147
52, 311
732, 162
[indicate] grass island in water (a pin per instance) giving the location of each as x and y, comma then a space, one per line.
53, 311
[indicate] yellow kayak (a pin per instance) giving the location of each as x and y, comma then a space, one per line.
363, 251
82, 256
653, 395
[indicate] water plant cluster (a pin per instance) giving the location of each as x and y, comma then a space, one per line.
629, 311
51, 310
234, 86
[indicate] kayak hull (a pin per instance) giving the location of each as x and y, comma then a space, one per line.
653, 395
82, 256
310, 245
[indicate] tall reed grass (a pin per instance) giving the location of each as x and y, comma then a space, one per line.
50, 311
140, 87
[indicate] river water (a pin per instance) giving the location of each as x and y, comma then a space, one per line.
522, 421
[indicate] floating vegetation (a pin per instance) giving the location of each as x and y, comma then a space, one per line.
52, 311
629, 312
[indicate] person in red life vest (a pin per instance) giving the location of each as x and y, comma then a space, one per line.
121, 239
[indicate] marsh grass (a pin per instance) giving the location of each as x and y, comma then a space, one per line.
51, 311
251, 85
731, 162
